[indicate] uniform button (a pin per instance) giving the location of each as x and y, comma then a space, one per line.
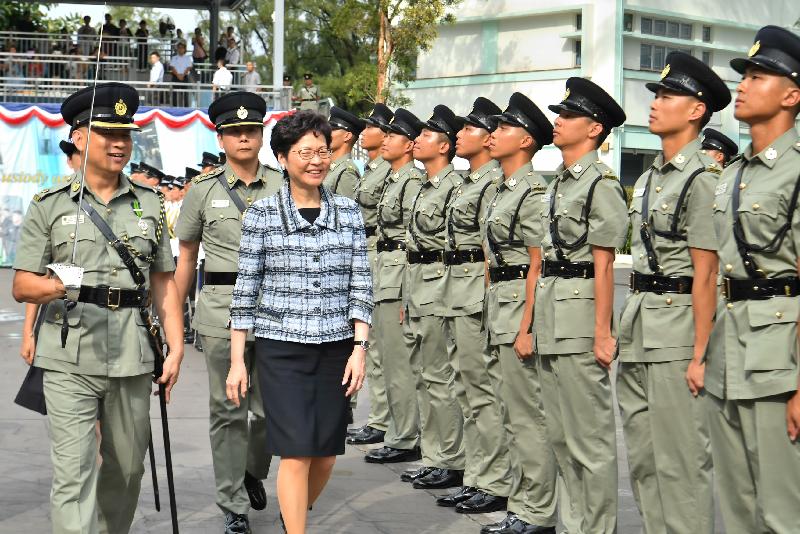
438, 271
669, 300
742, 186
756, 206
714, 206
72, 235
466, 270
221, 216
108, 210
144, 232
58, 316
728, 267
515, 295
561, 195
249, 200
664, 206
125, 238
482, 219
778, 315
396, 260
497, 219
494, 204
541, 284
729, 305
546, 254
641, 256
114, 272
565, 212
577, 292
658, 189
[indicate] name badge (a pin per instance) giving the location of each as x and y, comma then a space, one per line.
220, 203
721, 188
67, 220
546, 197
638, 192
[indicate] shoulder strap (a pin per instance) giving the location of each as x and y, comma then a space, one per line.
238, 202
673, 232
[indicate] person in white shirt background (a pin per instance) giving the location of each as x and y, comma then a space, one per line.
156, 77
180, 66
223, 78
232, 56
252, 79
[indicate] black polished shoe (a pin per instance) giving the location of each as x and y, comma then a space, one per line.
521, 527
414, 474
440, 479
255, 491
390, 455
494, 528
366, 436
236, 523
463, 494
355, 430
482, 503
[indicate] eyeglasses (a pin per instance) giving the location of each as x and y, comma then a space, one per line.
307, 154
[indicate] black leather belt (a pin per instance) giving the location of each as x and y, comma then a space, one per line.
568, 269
370, 230
457, 257
114, 297
509, 272
425, 256
655, 283
219, 279
759, 288
388, 245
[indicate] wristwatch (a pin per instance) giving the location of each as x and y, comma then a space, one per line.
364, 344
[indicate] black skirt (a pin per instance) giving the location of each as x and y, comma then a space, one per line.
304, 401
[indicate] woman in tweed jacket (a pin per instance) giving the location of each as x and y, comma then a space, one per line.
303, 250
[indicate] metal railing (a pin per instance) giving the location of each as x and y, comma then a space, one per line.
191, 94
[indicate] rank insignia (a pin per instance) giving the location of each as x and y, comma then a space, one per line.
771, 153
231, 179
75, 186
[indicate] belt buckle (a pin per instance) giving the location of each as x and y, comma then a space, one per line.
726, 288
631, 282
544, 268
114, 305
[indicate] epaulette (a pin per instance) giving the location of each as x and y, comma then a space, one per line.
415, 174
538, 187
714, 169
604, 170
216, 171
47, 191
147, 187
797, 146
270, 167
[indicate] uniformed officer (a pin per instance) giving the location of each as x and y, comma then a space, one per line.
441, 429
368, 194
153, 175
511, 236
401, 442
208, 162
343, 177
212, 215
308, 95
719, 146
96, 355
487, 475
584, 217
751, 362
674, 282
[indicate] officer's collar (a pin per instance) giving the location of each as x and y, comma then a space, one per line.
232, 178
770, 155
483, 170
519, 176
437, 179
290, 215
577, 169
375, 162
123, 187
335, 163
402, 171
681, 159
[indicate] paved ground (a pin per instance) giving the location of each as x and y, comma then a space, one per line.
360, 499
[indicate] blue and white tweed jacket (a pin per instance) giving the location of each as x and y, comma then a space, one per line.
314, 279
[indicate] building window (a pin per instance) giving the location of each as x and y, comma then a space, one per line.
707, 58
653, 57
647, 25
686, 32
673, 29
646, 57
660, 28
706, 34
659, 54
627, 22
667, 28
577, 52
579, 21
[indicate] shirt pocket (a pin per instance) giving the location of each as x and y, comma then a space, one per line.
574, 308
510, 305
468, 281
770, 344
64, 237
49, 340
428, 219
390, 210
463, 213
571, 223
667, 321
214, 306
762, 215
662, 211
224, 224
141, 238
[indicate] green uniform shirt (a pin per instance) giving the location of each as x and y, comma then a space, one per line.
343, 177
308, 97
465, 284
753, 348
208, 215
653, 341
393, 213
426, 232
564, 307
101, 341
513, 223
371, 188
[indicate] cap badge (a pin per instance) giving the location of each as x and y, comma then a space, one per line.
754, 49
771, 153
120, 108
665, 72
241, 112
566, 95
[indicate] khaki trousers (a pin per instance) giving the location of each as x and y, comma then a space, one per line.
237, 442
441, 427
669, 453
580, 424
394, 344
485, 443
85, 498
757, 467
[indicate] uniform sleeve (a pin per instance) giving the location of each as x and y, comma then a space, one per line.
530, 218
163, 262
359, 300
190, 221
608, 218
700, 231
251, 269
34, 250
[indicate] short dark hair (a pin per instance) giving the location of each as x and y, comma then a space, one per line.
291, 128
155, 53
